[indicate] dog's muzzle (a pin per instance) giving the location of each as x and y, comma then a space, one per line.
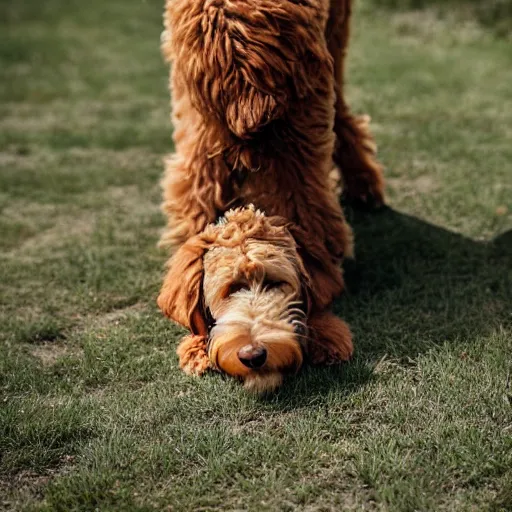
255, 357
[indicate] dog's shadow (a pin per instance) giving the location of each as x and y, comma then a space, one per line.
412, 288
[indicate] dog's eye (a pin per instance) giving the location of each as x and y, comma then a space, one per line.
270, 284
235, 287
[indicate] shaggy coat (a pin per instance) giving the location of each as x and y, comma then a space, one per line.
241, 287
259, 115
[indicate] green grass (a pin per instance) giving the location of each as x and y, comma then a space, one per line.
494, 14
94, 412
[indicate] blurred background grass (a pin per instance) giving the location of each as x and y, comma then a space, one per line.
495, 14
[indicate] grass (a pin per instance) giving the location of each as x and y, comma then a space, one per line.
494, 14
94, 413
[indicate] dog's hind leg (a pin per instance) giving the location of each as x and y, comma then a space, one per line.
355, 152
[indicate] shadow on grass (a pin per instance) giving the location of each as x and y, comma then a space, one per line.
413, 288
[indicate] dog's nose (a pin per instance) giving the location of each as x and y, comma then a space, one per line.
252, 357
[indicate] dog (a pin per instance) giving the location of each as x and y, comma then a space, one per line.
241, 287
259, 118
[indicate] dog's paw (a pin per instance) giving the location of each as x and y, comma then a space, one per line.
364, 190
193, 355
328, 355
331, 341
365, 196
362, 175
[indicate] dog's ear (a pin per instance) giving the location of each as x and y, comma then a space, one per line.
181, 295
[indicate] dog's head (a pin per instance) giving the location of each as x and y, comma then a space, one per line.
241, 283
243, 61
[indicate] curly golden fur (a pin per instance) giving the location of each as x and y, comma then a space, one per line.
259, 117
246, 275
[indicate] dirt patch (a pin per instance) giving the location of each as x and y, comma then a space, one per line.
428, 25
77, 226
24, 211
49, 224
128, 159
422, 185
49, 353
26, 486
133, 201
117, 316
21, 488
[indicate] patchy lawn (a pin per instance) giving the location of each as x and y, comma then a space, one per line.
94, 413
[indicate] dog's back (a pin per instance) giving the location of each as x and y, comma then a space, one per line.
253, 89
249, 64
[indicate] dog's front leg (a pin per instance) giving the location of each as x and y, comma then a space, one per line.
196, 191
193, 355
330, 339
189, 207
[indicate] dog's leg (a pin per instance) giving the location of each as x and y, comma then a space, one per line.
330, 339
323, 243
195, 185
355, 152
192, 199
193, 355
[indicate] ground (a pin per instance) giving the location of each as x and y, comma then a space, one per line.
94, 412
